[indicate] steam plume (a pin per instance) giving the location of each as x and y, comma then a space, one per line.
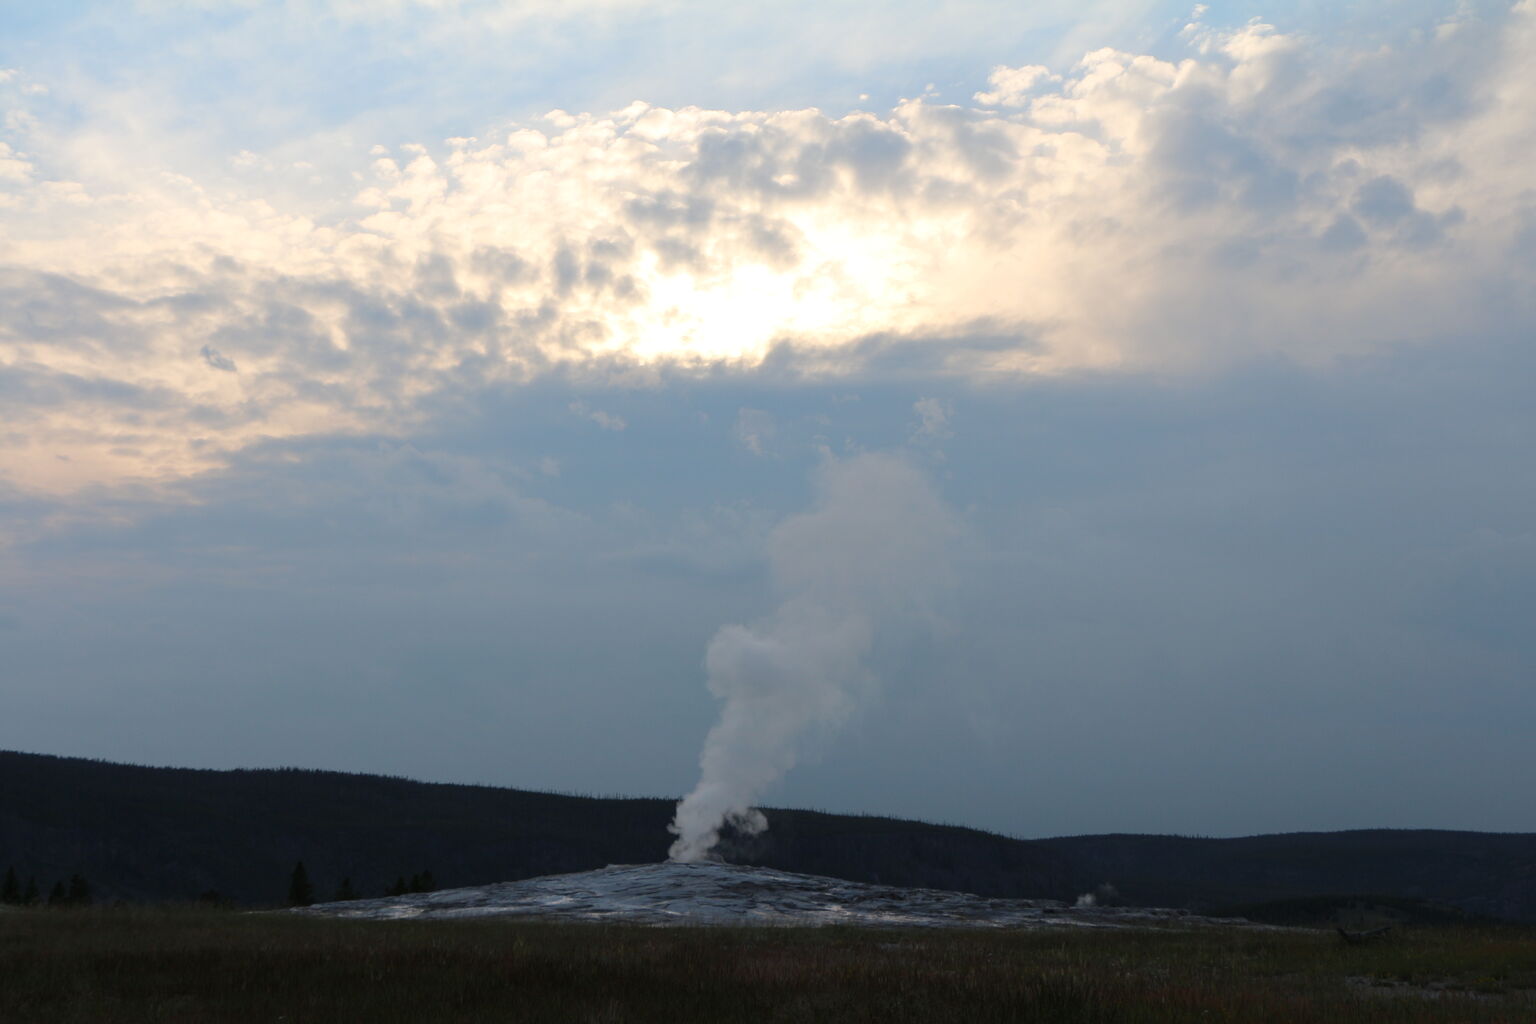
871, 549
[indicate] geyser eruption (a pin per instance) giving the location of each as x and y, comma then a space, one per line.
871, 550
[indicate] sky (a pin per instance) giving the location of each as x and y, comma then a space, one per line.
1053, 418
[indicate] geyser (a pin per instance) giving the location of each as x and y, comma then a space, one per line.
871, 551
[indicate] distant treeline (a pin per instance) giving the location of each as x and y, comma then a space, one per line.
76, 892
301, 891
155, 834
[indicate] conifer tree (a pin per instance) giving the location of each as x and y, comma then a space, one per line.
345, 892
57, 897
300, 892
399, 888
10, 889
79, 894
31, 896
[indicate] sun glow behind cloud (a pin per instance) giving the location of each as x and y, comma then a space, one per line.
1128, 211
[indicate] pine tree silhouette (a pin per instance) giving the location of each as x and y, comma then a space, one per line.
79, 892
31, 896
344, 891
398, 889
10, 889
57, 897
300, 892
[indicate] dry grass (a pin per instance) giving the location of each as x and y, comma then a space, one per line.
139, 965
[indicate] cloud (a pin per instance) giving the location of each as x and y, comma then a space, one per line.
755, 430
602, 419
13, 168
933, 417
1258, 196
215, 359
1011, 86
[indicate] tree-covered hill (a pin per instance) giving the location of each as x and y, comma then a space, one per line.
140, 833
1485, 873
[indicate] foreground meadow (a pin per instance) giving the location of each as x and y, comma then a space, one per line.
168, 965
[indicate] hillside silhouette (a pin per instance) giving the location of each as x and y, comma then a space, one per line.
152, 834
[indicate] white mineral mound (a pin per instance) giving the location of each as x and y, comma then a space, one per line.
728, 894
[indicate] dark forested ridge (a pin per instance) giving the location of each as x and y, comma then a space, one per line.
1490, 874
139, 833
142, 833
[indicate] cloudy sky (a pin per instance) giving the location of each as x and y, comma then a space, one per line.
474, 391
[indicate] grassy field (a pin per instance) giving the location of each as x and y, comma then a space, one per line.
210, 966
